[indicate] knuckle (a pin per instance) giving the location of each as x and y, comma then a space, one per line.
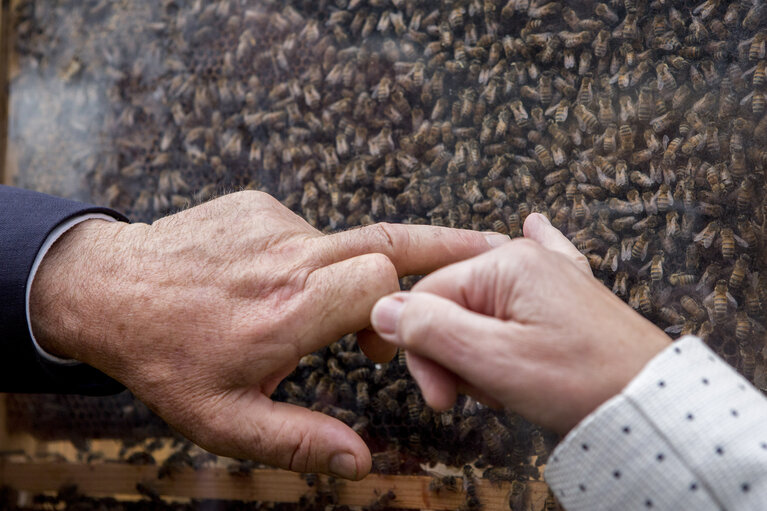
301, 455
388, 235
381, 266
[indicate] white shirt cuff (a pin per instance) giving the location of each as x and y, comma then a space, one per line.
47, 244
687, 433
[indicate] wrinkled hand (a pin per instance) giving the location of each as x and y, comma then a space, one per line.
203, 313
524, 326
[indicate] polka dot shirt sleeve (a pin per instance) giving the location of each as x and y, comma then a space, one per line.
687, 433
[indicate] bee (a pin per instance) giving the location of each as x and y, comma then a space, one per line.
517, 495
692, 307
586, 91
610, 261
681, 279
728, 239
747, 233
469, 487
549, 9
606, 110
544, 156
620, 284
671, 316
586, 119
664, 198
439, 483
626, 137
707, 236
641, 179
545, 88
656, 268
665, 78
644, 299
521, 117
743, 327
640, 246
601, 43
383, 501
645, 104
719, 302
752, 298
745, 194
580, 208
739, 271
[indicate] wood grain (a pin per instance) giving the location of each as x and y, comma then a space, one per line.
268, 485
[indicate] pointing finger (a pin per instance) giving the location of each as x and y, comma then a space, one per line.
374, 347
414, 249
438, 385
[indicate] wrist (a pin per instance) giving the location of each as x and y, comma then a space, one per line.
70, 294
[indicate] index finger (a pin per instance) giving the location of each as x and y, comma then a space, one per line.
413, 249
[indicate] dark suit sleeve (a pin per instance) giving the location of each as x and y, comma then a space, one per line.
26, 219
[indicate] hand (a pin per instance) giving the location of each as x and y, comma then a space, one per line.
524, 326
203, 313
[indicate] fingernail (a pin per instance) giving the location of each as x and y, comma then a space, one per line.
343, 465
495, 239
544, 218
386, 313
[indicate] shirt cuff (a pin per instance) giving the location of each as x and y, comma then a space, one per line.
57, 232
686, 433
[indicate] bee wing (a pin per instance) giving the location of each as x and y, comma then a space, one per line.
702, 236
731, 301
674, 329
614, 263
757, 327
743, 243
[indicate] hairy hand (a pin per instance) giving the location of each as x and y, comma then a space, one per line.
203, 313
525, 326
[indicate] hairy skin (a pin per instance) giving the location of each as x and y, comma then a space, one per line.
544, 337
203, 313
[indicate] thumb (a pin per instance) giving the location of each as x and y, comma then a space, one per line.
289, 437
442, 331
537, 227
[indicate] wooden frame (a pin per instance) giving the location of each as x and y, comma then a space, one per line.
26, 472
268, 485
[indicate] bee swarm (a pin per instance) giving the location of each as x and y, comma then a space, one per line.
635, 127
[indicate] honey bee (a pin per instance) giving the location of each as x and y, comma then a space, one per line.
719, 302
586, 119
544, 156
641, 179
739, 271
580, 208
708, 234
681, 279
656, 269
692, 307
640, 246
521, 117
665, 78
644, 299
745, 194
545, 88
747, 233
671, 316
